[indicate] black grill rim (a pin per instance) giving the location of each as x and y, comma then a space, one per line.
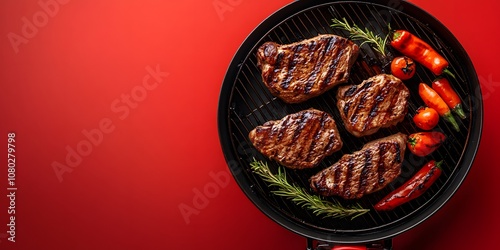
233, 160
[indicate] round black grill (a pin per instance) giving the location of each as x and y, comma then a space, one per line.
246, 103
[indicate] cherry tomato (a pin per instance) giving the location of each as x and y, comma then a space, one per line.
403, 67
426, 118
424, 143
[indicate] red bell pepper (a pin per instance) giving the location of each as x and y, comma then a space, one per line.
424, 143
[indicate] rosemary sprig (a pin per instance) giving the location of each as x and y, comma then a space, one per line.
365, 35
301, 197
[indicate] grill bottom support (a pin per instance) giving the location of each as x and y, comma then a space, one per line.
379, 245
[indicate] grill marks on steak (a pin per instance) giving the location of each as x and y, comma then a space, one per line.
299, 71
380, 101
363, 172
299, 140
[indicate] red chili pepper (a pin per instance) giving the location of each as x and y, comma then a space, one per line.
420, 51
413, 188
432, 99
444, 89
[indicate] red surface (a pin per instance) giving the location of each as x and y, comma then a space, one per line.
154, 147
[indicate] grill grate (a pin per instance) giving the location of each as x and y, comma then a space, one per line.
251, 104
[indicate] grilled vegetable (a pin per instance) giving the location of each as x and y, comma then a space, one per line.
424, 143
413, 188
443, 88
426, 118
420, 51
403, 67
432, 99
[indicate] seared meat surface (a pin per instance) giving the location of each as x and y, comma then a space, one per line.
299, 140
380, 101
363, 172
302, 70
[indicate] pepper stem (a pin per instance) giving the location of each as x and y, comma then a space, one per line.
438, 78
449, 118
459, 111
448, 72
438, 164
412, 142
397, 34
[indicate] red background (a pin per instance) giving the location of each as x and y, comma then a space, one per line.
126, 193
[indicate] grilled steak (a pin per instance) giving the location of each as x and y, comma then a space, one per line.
365, 171
302, 70
378, 102
299, 140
